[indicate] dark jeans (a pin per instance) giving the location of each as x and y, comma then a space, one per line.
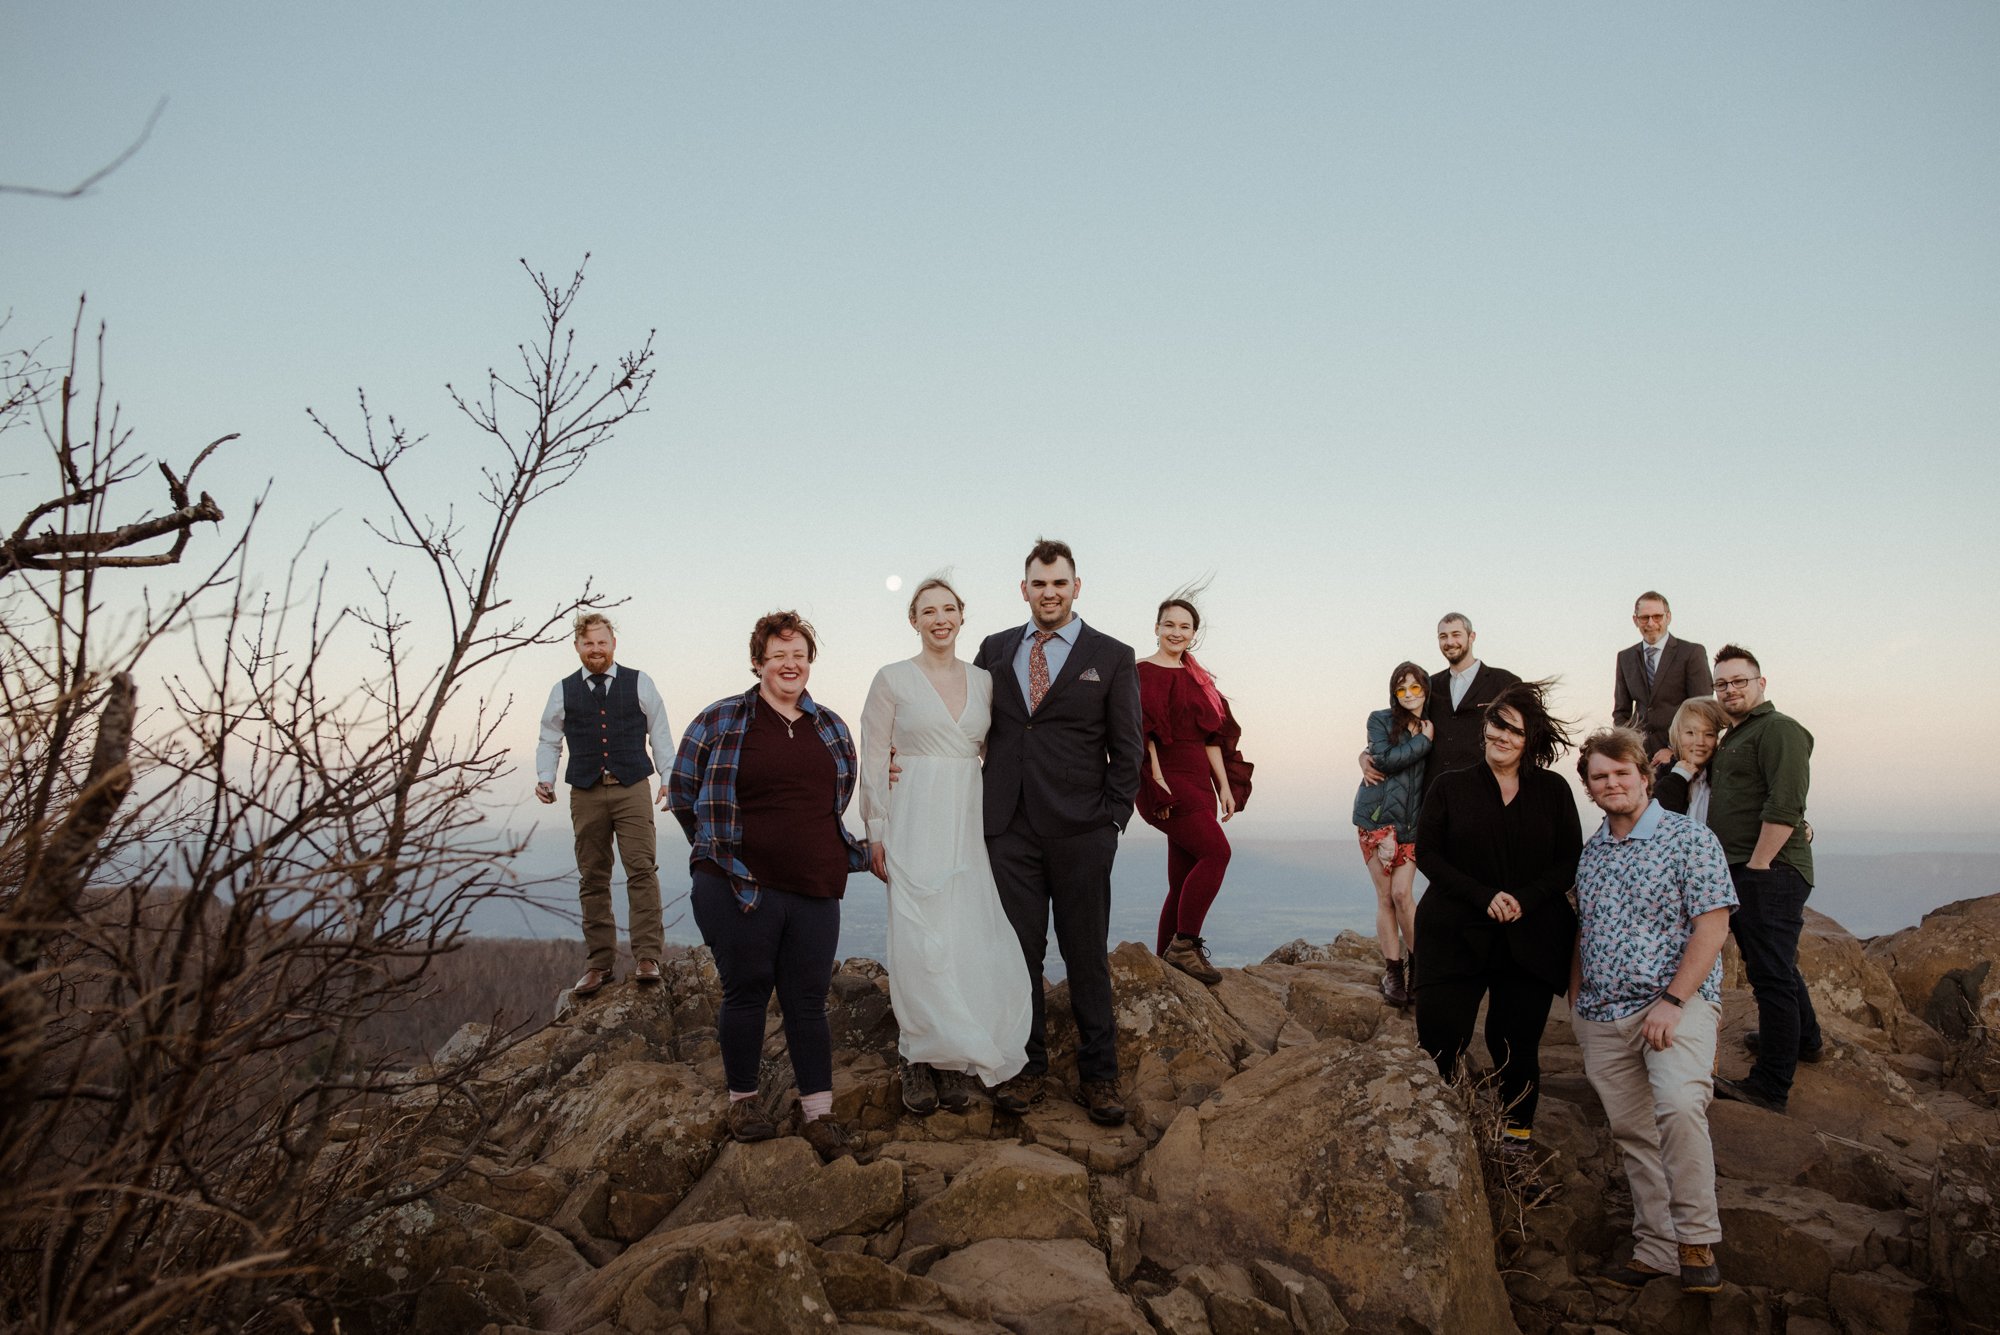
1070, 877
1767, 927
787, 942
1516, 1013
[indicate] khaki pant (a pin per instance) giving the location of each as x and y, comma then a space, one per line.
1657, 1103
625, 812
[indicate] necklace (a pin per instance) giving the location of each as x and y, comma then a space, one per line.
788, 722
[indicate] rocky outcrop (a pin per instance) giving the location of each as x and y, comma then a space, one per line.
1293, 1166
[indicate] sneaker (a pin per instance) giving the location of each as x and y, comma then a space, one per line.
951, 1093
1100, 1099
1189, 954
1753, 1043
1699, 1272
1014, 1095
1740, 1091
920, 1093
828, 1139
746, 1121
1634, 1274
1394, 990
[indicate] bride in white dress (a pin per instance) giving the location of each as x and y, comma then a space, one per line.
954, 968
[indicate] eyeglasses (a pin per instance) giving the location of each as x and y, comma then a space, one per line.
1734, 684
1409, 690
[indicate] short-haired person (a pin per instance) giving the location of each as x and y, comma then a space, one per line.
1757, 808
1499, 844
1681, 785
1456, 705
1385, 821
759, 785
1653, 900
608, 715
1062, 770
1191, 765
1655, 675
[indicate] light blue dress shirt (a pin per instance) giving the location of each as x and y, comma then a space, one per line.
1056, 651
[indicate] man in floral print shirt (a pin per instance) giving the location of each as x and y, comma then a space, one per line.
1653, 904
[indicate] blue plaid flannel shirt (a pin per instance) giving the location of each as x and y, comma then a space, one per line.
701, 786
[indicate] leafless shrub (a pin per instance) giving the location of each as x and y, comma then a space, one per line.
208, 902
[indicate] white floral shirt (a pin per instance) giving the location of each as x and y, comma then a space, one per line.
1637, 899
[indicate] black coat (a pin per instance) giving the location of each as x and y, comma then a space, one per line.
1471, 846
1074, 764
1459, 735
1670, 790
1682, 675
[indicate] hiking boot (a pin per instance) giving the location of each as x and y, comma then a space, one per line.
1189, 954
828, 1139
746, 1120
1100, 1099
1014, 1095
951, 1092
1395, 990
920, 1093
1699, 1272
1741, 1091
1753, 1042
1634, 1274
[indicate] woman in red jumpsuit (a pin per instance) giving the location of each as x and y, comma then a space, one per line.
1191, 765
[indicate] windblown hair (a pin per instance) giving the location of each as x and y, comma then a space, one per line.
941, 580
1615, 744
1400, 717
1048, 551
1548, 736
775, 626
586, 620
1729, 651
1183, 598
1702, 707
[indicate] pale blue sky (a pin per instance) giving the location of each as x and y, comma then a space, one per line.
1374, 311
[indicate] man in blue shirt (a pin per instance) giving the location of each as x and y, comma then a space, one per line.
1653, 904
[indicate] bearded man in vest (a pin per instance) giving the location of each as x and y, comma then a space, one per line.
608, 715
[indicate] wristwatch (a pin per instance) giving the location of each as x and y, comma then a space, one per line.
1670, 997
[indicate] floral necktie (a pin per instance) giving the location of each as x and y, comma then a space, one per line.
1038, 670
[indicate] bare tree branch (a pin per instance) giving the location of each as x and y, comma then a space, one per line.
83, 187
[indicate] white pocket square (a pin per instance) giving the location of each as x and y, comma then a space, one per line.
1089, 674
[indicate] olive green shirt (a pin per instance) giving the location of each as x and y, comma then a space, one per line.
1760, 774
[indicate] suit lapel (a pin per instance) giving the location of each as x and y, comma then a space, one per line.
1004, 669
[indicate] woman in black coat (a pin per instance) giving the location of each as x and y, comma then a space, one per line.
1499, 843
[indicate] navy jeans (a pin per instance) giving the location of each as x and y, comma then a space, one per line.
1767, 927
787, 943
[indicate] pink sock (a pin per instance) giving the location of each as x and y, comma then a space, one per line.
815, 1106
734, 1097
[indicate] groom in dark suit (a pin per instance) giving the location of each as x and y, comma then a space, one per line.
1656, 674
1062, 770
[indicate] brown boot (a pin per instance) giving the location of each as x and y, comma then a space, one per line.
1189, 954
1395, 990
827, 1137
746, 1121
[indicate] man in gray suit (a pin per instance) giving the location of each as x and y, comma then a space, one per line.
1656, 674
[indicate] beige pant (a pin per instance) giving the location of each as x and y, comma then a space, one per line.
625, 812
1657, 1103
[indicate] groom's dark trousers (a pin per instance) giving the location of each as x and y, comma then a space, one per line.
1059, 786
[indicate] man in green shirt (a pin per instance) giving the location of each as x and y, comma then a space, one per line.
1759, 778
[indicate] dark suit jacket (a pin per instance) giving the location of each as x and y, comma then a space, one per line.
1073, 765
1682, 675
1459, 735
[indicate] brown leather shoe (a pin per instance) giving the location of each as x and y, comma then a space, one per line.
1015, 1094
647, 972
593, 981
746, 1120
826, 1136
1100, 1099
1189, 954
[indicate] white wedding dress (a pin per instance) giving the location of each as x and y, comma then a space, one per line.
955, 975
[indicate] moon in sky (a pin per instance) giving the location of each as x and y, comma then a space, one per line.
894, 582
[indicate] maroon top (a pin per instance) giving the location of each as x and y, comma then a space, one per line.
1179, 718
786, 787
